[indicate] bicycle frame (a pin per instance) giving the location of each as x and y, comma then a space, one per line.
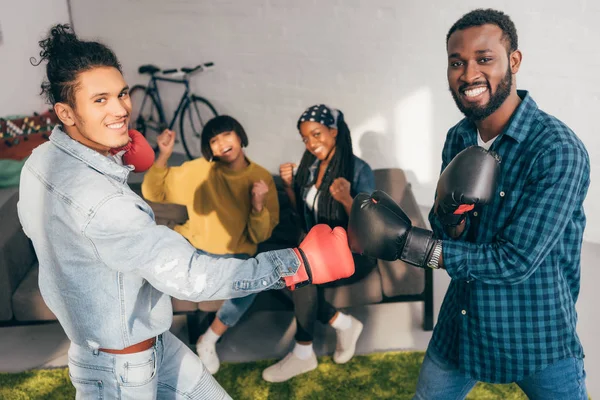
152, 90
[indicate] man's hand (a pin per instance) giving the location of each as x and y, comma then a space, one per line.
455, 231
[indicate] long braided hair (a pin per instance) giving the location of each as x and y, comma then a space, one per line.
341, 165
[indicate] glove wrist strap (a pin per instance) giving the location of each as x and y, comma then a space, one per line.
303, 275
418, 247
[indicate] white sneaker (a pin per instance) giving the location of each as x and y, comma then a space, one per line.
346, 342
290, 366
208, 355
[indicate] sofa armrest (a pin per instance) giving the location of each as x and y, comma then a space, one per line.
16, 252
164, 213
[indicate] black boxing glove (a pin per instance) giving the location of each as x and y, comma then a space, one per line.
379, 228
470, 179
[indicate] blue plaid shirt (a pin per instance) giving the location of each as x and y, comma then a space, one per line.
510, 307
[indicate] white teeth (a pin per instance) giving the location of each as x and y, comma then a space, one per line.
474, 92
116, 126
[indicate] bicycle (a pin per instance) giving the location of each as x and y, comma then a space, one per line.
194, 111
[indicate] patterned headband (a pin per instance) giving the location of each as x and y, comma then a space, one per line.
321, 114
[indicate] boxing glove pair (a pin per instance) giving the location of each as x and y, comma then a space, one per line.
378, 227
137, 152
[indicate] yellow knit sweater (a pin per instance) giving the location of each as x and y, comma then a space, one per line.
218, 201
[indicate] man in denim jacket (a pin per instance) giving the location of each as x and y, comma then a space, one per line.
107, 271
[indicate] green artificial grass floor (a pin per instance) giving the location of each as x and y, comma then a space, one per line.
376, 376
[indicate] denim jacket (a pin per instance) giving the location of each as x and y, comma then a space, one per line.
363, 181
106, 269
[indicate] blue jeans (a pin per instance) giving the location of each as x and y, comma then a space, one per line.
233, 309
168, 370
564, 380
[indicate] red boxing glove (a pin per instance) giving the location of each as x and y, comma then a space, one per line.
137, 152
324, 257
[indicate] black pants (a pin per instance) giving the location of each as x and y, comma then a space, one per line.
310, 304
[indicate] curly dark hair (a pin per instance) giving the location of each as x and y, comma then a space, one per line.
329, 212
66, 57
488, 16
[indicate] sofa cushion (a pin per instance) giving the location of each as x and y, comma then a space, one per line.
365, 291
16, 251
27, 301
183, 306
397, 277
210, 306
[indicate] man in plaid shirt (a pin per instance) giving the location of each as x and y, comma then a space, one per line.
509, 313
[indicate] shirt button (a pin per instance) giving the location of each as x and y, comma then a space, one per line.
464, 312
475, 214
502, 194
264, 283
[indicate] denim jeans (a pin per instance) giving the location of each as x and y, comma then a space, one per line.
168, 370
233, 309
563, 380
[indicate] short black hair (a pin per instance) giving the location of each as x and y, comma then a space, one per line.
216, 126
67, 56
481, 17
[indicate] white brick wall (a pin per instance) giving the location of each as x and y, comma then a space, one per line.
23, 24
383, 62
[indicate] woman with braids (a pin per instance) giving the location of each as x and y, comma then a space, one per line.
328, 178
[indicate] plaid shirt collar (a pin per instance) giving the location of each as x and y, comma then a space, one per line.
515, 130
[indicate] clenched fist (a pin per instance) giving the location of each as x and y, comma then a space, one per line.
166, 142
259, 195
340, 190
286, 171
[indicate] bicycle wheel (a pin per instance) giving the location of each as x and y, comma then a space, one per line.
145, 115
194, 116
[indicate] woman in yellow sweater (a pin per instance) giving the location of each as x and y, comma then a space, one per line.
231, 202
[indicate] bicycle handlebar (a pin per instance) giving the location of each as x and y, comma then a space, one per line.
187, 70
197, 67
153, 69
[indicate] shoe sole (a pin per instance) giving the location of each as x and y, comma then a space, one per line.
337, 360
